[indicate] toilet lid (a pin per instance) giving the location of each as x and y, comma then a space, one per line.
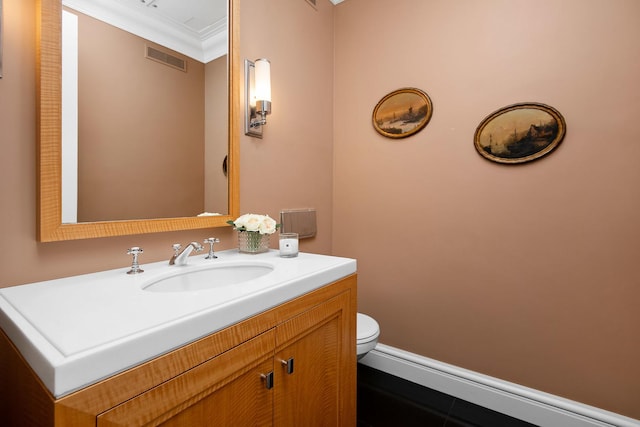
367, 327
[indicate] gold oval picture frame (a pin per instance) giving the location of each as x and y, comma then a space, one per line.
402, 113
520, 133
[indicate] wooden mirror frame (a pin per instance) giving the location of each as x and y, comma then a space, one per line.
49, 141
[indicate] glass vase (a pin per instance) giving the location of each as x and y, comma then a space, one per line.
252, 242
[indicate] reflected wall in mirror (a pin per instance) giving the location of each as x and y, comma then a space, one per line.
189, 147
127, 96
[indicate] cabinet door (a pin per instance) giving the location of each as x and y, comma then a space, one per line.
244, 401
227, 390
314, 367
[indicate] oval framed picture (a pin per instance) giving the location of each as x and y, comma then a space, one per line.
520, 133
402, 113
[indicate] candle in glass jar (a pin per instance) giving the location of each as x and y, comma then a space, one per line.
288, 245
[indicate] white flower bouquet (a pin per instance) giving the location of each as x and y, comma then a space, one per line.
262, 224
253, 232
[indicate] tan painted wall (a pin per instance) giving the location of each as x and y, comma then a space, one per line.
291, 167
291, 137
527, 273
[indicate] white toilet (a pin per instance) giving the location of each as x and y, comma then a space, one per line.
368, 331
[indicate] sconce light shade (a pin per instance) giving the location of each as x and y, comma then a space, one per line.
257, 96
263, 79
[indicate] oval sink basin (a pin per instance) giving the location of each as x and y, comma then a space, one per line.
210, 278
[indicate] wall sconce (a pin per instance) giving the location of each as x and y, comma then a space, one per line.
257, 89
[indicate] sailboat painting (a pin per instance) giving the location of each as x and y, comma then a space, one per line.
402, 113
520, 133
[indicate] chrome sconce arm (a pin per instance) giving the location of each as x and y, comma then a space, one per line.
257, 89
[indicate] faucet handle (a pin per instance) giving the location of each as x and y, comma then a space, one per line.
176, 251
211, 241
135, 267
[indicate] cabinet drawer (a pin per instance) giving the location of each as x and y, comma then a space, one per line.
221, 391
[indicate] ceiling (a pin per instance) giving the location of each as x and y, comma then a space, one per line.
195, 28
199, 16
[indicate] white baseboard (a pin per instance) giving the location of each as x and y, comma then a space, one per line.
533, 406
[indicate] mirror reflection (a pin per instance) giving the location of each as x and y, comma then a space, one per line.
144, 109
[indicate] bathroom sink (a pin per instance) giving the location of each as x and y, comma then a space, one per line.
213, 277
75, 331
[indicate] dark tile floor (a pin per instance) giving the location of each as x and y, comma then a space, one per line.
388, 401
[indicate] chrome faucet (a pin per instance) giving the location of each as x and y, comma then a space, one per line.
180, 258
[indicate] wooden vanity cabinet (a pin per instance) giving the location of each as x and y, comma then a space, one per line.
226, 390
293, 365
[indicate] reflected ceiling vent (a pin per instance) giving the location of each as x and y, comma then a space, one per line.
149, 3
166, 58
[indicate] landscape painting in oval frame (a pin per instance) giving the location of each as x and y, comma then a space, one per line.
402, 113
520, 133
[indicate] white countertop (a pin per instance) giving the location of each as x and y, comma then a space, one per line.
78, 330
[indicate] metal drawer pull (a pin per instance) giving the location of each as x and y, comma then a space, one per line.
288, 364
268, 379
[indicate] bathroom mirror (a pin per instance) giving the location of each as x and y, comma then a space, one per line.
51, 226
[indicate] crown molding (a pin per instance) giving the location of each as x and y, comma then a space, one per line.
204, 46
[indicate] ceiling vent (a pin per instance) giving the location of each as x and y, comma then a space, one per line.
166, 58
